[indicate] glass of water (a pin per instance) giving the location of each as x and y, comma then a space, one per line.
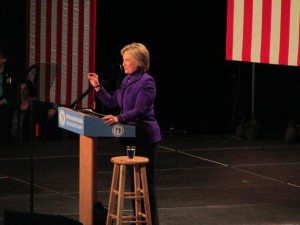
130, 152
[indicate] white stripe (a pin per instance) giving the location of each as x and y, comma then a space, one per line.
42, 58
238, 21
294, 32
53, 49
43, 32
64, 50
256, 31
275, 31
86, 49
75, 50
32, 32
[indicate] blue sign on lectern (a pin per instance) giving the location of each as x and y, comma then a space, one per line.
91, 126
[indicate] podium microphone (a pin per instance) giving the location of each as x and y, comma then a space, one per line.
74, 104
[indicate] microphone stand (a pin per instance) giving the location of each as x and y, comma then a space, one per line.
32, 74
31, 103
34, 133
31, 157
87, 91
19, 93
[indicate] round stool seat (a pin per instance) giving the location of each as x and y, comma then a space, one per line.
123, 160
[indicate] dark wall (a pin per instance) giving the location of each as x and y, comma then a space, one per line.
12, 33
187, 44
197, 89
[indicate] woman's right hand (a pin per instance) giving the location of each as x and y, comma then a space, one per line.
93, 78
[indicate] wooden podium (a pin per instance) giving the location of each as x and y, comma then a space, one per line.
89, 127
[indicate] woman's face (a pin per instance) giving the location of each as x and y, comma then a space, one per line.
130, 65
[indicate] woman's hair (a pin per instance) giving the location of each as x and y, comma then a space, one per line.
140, 53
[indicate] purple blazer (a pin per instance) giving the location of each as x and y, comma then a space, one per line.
135, 97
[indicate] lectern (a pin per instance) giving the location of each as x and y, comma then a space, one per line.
89, 128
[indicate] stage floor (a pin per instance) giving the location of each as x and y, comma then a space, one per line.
201, 179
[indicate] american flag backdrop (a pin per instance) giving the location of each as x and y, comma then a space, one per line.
61, 43
263, 31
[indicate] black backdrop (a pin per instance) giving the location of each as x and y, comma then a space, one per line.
197, 89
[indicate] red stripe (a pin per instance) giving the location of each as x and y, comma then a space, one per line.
80, 48
69, 53
58, 51
229, 34
247, 30
266, 31
48, 50
284, 32
92, 45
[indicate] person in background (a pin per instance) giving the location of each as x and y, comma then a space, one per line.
135, 98
31, 113
21, 127
8, 98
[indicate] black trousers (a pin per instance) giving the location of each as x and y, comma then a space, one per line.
149, 151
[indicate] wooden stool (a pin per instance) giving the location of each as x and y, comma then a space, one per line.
139, 195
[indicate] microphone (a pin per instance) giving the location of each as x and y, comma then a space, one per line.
30, 74
74, 104
30, 68
119, 76
87, 91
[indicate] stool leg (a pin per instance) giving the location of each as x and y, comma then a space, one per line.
137, 188
113, 189
146, 195
122, 179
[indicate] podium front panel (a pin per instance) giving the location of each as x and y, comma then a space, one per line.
91, 126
